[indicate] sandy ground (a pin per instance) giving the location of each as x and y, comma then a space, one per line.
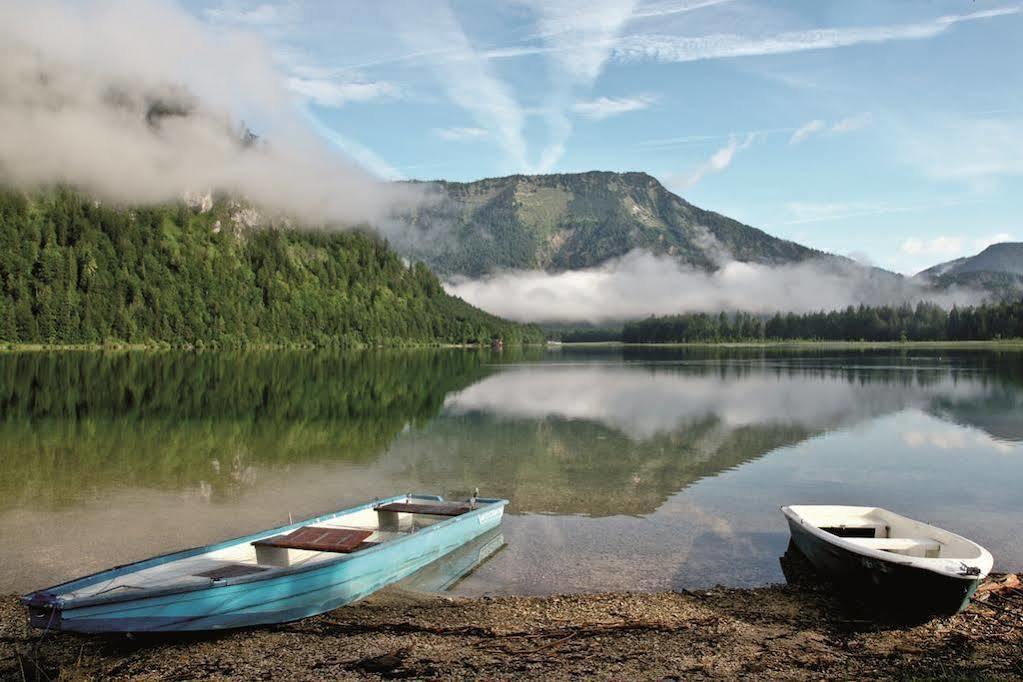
782, 632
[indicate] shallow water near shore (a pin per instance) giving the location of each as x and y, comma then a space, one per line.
628, 469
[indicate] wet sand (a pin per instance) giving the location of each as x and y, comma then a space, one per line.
779, 632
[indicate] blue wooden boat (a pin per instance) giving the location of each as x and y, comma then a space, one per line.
273, 576
892, 564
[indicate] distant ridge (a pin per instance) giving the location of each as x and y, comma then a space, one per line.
1004, 257
998, 269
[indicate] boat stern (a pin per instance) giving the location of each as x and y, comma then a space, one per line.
44, 610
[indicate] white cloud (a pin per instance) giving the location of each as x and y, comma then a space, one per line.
95, 121
719, 160
942, 245
235, 13
673, 48
459, 134
579, 34
806, 130
361, 154
952, 246
954, 439
812, 212
853, 123
845, 125
641, 284
815, 212
663, 9
470, 82
685, 140
606, 107
329, 93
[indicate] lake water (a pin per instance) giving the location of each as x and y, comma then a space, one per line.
627, 469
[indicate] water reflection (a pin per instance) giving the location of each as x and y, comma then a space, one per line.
74, 424
579, 436
445, 573
646, 397
645, 469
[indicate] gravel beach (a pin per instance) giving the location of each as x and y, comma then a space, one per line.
778, 632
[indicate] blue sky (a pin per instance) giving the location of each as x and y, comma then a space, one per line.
890, 131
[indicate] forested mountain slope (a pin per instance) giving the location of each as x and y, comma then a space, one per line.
73, 270
571, 221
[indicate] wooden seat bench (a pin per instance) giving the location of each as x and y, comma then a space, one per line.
900, 545
274, 550
434, 508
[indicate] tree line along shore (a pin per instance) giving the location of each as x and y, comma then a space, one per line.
924, 322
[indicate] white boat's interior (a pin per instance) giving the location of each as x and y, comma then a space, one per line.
880, 529
244, 558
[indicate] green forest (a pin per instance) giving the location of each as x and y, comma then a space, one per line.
77, 271
923, 322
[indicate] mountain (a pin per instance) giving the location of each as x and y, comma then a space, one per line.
998, 269
1004, 257
571, 221
77, 271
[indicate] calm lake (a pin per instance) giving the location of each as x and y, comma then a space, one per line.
626, 469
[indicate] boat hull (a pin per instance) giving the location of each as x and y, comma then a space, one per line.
288, 597
884, 586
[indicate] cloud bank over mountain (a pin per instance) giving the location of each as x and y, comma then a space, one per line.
138, 101
640, 284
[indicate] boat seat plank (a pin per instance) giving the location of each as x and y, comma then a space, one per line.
229, 571
896, 544
434, 508
318, 539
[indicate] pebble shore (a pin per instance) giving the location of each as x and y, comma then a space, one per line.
778, 632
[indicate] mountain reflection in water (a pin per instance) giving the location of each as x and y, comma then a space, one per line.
646, 469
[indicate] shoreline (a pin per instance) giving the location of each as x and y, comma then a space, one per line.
776, 632
252, 347
1006, 344
1003, 344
